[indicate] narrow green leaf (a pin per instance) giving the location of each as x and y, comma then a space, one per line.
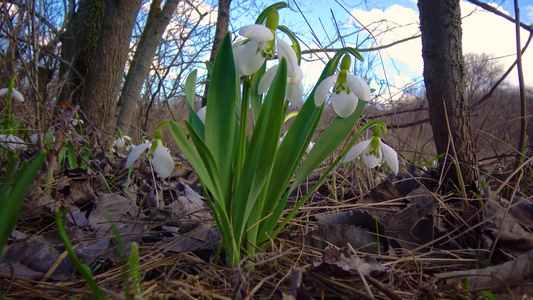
84, 270
261, 152
71, 155
220, 115
329, 140
255, 97
190, 84
190, 87
7, 180
12, 204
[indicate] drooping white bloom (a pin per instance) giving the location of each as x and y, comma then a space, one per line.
201, 114
294, 90
160, 157
348, 89
14, 93
123, 142
11, 142
250, 54
374, 151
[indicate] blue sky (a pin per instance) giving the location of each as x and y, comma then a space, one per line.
402, 65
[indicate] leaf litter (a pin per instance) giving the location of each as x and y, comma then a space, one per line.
397, 240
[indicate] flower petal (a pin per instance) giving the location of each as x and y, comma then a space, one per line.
358, 87
14, 94
13, 142
250, 58
257, 32
372, 161
391, 157
134, 154
294, 93
344, 104
162, 161
17, 95
285, 50
356, 150
323, 88
201, 114
267, 79
237, 49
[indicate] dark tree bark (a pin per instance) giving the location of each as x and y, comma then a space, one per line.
444, 77
102, 84
77, 47
220, 32
130, 95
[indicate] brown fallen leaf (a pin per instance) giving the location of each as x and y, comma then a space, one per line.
344, 260
510, 228
340, 235
515, 275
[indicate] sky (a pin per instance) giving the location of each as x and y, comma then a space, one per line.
390, 21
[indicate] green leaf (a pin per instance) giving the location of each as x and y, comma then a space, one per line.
190, 87
11, 204
220, 118
71, 155
255, 97
329, 140
190, 84
84, 270
261, 152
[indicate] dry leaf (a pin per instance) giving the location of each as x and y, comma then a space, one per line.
517, 275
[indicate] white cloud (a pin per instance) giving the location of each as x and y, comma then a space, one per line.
483, 32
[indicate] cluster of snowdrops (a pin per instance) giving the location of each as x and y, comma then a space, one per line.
247, 178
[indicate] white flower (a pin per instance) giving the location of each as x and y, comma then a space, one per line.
250, 54
345, 94
348, 88
160, 157
294, 90
374, 151
201, 114
14, 93
11, 142
123, 142
75, 122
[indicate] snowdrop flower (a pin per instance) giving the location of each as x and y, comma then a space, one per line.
261, 43
75, 122
250, 54
374, 151
14, 93
11, 142
201, 114
160, 156
294, 90
122, 142
347, 89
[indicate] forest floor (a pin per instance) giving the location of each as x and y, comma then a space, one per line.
362, 235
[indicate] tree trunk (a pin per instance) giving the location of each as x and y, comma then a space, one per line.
131, 94
444, 77
78, 44
220, 32
155, 9
102, 84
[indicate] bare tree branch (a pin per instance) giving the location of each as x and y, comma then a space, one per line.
499, 13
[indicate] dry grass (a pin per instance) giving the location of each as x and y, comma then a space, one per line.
410, 275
